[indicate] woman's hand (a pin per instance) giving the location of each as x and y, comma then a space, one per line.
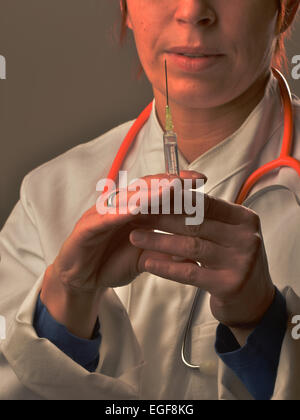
97, 255
230, 248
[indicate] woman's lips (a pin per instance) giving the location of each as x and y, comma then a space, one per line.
193, 64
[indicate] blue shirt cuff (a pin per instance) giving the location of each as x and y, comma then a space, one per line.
256, 363
82, 351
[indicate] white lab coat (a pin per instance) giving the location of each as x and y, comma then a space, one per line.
142, 324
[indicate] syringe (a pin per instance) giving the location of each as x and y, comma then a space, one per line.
170, 138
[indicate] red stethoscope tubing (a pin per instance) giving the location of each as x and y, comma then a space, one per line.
283, 160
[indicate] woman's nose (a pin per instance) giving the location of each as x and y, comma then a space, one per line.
195, 12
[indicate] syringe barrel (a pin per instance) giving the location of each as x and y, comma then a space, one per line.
171, 153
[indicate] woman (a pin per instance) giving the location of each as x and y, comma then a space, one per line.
227, 113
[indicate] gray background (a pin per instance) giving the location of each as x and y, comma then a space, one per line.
68, 81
